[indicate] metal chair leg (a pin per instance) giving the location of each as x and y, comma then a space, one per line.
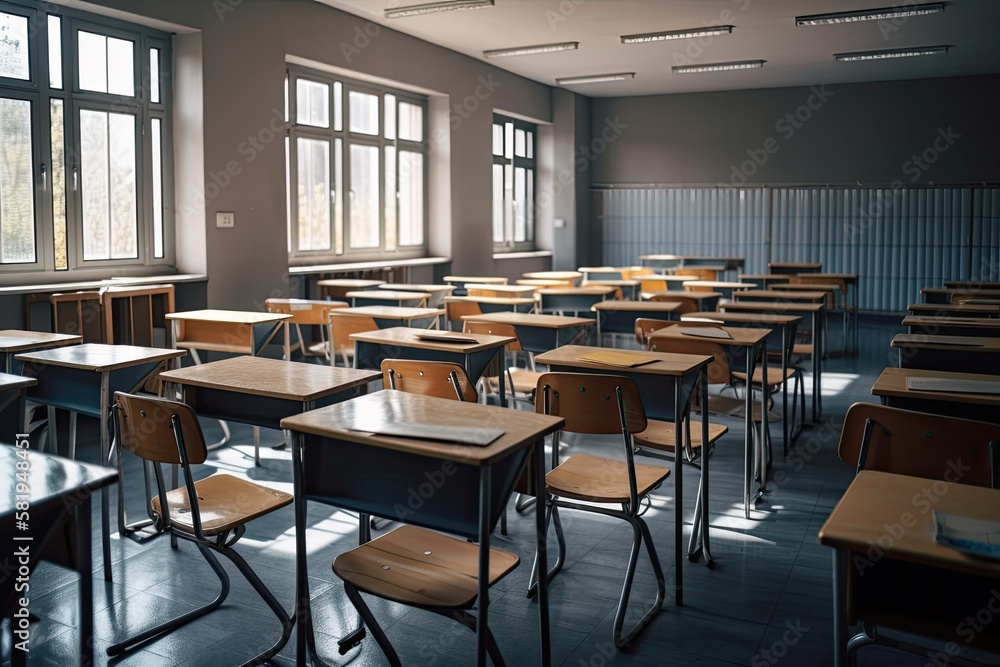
377, 633
640, 534
553, 516
268, 597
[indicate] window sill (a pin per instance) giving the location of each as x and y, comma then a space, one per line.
527, 254
362, 266
98, 284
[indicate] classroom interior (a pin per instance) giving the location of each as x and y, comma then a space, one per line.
669, 188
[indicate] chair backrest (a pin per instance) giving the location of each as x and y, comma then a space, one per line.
454, 310
145, 428
647, 325
877, 437
652, 284
719, 371
132, 313
687, 304
78, 313
304, 311
442, 379
494, 329
588, 400
342, 326
635, 272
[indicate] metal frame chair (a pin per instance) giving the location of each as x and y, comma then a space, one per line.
212, 513
341, 328
443, 379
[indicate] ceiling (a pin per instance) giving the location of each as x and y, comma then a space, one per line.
764, 29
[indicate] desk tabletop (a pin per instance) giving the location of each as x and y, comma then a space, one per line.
511, 289
532, 320
698, 296
553, 275
805, 287
349, 283
387, 295
743, 318
892, 382
389, 312
741, 336
981, 309
783, 295
875, 500
348, 421
308, 304
963, 343
273, 378
8, 381
794, 265
596, 290
410, 337
486, 280
228, 316
495, 300
695, 257
928, 321
613, 282
637, 306
846, 277
962, 291
50, 477
99, 357
773, 306
667, 363
407, 287
16, 340
719, 284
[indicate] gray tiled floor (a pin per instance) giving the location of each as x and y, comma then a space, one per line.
767, 602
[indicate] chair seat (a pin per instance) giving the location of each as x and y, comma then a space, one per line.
601, 480
774, 376
803, 349
660, 435
524, 381
225, 502
420, 567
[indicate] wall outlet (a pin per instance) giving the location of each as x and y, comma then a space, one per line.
559, 223
225, 219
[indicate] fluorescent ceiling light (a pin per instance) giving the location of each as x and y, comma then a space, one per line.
435, 7
891, 53
718, 67
528, 50
595, 78
709, 31
872, 14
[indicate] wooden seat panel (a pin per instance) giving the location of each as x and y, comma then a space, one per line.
224, 502
601, 480
660, 435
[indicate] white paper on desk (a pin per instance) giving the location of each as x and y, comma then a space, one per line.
462, 435
974, 536
956, 385
445, 337
705, 332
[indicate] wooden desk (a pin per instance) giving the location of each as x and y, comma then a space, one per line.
131, 313
595, 273
794, 267
962, 354
84, 379
891, 388
666, 386
630, 288
394, 316
766, 279
304, 312
499, 304
502, 291
786, 324
878, 500
261, 392
680, 261
955, 309
13, 341
700, 301
539, 333
405, 343
957, 294
971, 284
350, 469
818, 313
615, 316
437, 292
231, 331
553, 275
571, 299
726, 288
379, 297
58, 530
458, 281
953, 326
337, 288
746, 343
13, 414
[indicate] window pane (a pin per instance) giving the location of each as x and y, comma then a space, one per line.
411, 198
390, 197
55, 52
519, 143
411, 122
17, 200
314, 194
364, 113
390, 116
57, 125
121, 67
519, 204
508, 135
107, 166
338, 106
497, 139
14, 47
93, 61
154, 76
529, 206
531, 144
338, 198
312, 103
364, 195
498, 203
156, 138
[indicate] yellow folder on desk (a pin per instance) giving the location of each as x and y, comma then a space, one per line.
612, 358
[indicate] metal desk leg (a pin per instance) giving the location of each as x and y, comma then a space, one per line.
679, 491
765, 428
786, 430
748, 439
482, 626
81, 518
840, 558
819, 372
817, 353
699, 541
105, 500
541, 548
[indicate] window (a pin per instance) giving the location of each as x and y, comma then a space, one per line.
513, 184
85, 157
357, 170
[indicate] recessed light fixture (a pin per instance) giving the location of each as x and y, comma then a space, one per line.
528, 50
891, 53
709, 31
435, 7
883, 13
595, 78
718, 67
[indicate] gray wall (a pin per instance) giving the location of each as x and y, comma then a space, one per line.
243, 72
859, 132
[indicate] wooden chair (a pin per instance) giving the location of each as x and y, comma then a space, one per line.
78, 313
647, 325
341, 328
133, 313
442, 379
521, 382
637, 273
590, 404
307, 313
211, 513
687, 304
455, 310
935, 447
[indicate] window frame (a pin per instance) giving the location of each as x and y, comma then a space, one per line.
41, 96
515, 161
340, 249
